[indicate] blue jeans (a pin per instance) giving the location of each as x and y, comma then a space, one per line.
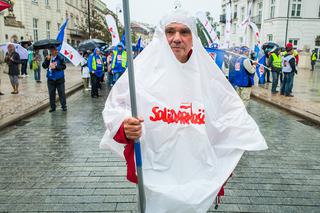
287, 83
116, 76
37, 75
110, 78
275, 79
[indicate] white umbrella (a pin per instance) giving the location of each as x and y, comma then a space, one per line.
23, 53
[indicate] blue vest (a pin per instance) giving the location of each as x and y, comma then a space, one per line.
232, 71
55, 74
242, 77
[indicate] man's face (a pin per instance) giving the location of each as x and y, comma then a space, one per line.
53, 51
179, 37
98, 52
11, 48
120, 48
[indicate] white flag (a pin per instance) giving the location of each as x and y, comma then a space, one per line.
112, 27
256, 32
205, 22
227, 30
71, 54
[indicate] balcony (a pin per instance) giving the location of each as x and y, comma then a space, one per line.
257, 20
77, 33
223, 18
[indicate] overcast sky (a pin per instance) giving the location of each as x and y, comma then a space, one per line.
150, 11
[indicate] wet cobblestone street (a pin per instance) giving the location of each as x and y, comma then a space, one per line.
51, 162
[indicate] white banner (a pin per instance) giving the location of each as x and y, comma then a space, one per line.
227, 30
71, 54
205, 22
112, 27
256, 32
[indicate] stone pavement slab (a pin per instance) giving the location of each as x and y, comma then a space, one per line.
32, 96
306, 100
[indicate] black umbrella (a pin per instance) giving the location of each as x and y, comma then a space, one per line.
269, 47
22, 43
46, 44
91, 44
30, 48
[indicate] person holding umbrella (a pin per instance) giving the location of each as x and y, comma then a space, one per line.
13, 60
55, 66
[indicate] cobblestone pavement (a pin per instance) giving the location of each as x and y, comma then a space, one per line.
31, 94
306, 90
51, 163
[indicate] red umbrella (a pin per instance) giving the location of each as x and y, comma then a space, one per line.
4, 5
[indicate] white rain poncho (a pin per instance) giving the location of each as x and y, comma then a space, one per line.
186, 157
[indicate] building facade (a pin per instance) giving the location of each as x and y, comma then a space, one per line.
281, 21
34, 20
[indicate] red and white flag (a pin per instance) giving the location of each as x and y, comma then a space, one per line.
112, 27
71, 54
205, 22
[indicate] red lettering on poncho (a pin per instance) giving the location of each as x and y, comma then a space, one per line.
184, 115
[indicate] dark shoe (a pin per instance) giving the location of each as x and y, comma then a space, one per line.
52, 110
281, 93
289, 95
1, 93
64, 109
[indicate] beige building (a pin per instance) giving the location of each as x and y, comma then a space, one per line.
272, 18
39, 19
32, 20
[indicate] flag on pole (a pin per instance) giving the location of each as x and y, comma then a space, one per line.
60, 36
123, 38
205, 22
138, 45
112, 28
260, 70
71, 54
217, 55
227, 31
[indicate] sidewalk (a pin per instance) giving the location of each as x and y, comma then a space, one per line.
306, 91
32, 96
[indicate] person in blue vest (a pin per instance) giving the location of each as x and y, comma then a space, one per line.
55, 66
232, 63
244, 75
119, 62
96, 69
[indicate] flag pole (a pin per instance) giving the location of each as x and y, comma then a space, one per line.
137, 149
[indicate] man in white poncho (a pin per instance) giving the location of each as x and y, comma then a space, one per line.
193, 126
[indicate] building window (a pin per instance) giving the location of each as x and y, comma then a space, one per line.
319, 12
272, 8
48, 29
260, 12
34, 1
294, 42
235, 11
242, 13
46, 3
296, 8
35, 29
58, 5
270, 37
59, 25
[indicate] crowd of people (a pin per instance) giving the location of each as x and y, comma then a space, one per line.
281, 64
101, 67
108, 66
